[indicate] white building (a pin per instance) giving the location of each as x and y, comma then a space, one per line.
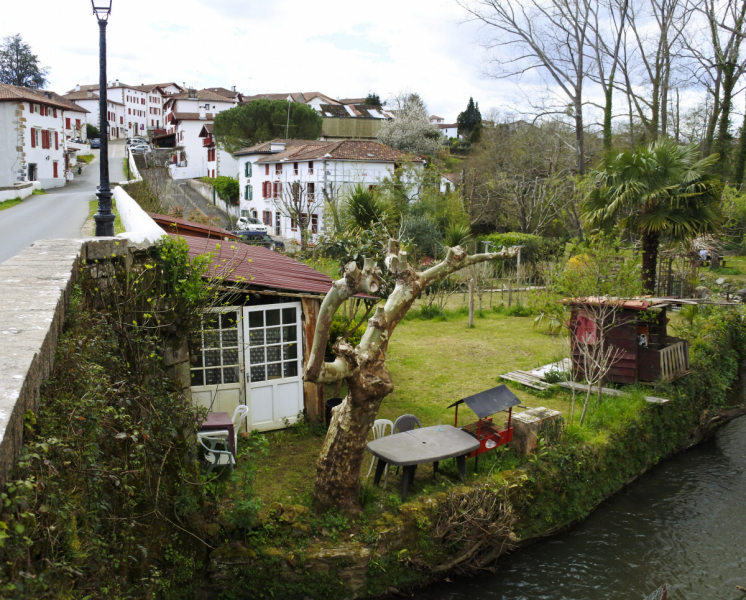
32, 140
219, 162
436, 120
89, 100
269, 172
185, 115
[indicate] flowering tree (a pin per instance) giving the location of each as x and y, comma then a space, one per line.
300, 202
363, 368
410, 131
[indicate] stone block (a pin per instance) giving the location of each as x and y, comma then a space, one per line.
528, 425
176, 351
180, 375
105, 248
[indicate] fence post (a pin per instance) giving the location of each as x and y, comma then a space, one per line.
471, 303
510, 292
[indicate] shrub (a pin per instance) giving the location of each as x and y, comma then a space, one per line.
534, 248
340, 326
226, 187
426, 238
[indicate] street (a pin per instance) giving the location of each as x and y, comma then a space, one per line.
61, 212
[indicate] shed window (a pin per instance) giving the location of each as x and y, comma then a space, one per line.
217, 360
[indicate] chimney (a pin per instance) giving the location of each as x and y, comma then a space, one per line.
77, 87
192, 93
233, 87
90, 93
275, 147
202, 112
117, 83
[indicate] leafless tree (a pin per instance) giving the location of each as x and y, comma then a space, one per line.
301, 203
547, 36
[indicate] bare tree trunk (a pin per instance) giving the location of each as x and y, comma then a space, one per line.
364, 368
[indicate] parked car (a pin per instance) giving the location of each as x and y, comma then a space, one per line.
136, 141
259, 238
140, 149
95, 143
250, 224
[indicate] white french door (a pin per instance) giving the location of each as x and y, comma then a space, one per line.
273, 352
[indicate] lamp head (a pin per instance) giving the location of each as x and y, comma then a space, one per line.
102, 9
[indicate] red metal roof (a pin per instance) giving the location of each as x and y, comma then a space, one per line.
258, 266
178, 225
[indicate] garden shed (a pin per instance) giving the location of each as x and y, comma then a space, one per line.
637, 328
252, 347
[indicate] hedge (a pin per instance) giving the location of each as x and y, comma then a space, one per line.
534, 248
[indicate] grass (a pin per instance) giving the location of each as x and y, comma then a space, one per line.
10, 203
38, 192
85, 158
433, 364
93, 209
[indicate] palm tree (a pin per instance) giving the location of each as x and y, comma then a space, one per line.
658, 192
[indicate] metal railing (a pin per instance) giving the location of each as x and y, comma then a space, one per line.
674, 360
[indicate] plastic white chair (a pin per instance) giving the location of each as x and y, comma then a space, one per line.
379, 431
239, 416
214, 457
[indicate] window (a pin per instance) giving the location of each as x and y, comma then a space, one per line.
217, 360
293, 224
266, 169
245, 213
152, 123
248, 193
277, 224
278, 169
77, 123
310, 167
267, 217
311, 190
277, 190
129, 111
67, 123
266, 189
274, 349
295, 168
247, 169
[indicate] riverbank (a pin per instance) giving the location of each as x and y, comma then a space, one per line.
464, 528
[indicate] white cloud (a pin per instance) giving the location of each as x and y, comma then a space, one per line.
344, 49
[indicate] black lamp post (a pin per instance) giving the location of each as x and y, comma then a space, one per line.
104, 217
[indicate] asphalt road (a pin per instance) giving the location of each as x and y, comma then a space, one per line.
61, 212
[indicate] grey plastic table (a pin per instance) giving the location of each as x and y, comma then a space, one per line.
426, 445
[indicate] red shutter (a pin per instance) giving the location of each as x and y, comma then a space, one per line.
33, 137
266, 169
54, 166
55, 113
67, 123
56, 142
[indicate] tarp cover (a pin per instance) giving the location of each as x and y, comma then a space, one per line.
491, 401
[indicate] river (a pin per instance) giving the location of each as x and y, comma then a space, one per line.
683, 523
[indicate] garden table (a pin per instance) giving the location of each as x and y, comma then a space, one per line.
426, 445
217, 421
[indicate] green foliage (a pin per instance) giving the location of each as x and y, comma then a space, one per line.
469, 119
373, 99
246, 505
534, 248
10, 203
339, 328
733, 204
425, 237
458, 234
19, 66
91, 131
226, 187
263, 120
87, 158
364, 207
39, 192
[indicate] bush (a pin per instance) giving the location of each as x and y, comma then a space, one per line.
534, 248
340, 326
226, 187
426, 238
91, 131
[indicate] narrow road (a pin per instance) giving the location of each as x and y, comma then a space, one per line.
61, 212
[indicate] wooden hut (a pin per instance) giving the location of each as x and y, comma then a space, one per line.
638, 329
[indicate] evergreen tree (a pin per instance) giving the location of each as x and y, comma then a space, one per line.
373, 99
468, 119
19, 66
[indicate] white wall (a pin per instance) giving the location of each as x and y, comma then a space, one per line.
45, 158
10, 158
139, 226
21, 190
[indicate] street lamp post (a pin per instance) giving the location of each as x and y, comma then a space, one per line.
104, 217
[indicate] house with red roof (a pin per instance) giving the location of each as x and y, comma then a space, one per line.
278, 175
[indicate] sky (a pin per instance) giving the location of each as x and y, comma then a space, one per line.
344, 49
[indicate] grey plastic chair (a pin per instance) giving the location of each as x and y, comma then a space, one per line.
406, 423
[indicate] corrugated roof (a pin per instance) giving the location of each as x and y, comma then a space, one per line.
365, 111
165, 221
258, 266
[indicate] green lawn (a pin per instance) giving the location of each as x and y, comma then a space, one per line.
10, 203
85, 158
433, 364
93, 209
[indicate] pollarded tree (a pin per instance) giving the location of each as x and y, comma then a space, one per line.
363, 368
263, 120
658, 192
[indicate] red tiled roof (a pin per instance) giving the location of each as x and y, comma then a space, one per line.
258, 266
201, 95
167, 223
12, 93
206, 130
57, 97
189, 116
357, 150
